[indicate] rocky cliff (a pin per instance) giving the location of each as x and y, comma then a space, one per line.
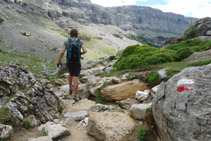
200, 29
149, 25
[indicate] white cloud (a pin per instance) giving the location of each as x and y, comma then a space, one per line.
110, 3
197, 8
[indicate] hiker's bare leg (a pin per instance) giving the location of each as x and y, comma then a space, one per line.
70, 80
75, 89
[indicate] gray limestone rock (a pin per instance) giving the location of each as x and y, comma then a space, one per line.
28, 95
139, 110
127, 103
208, 33
162, 73
181, 106
77, 115
5, 131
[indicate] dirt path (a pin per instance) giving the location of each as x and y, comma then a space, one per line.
78, 134
24, 135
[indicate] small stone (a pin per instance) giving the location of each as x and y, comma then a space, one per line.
127, 103
139, 110
68, 122
56, 121
32, 119
141, 96
208, 33
57, 130
162, 73
83, 123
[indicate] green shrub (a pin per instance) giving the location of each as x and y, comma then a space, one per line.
141, 57
191, 33
26, 124
183, 53
200, 63
143, 133
60, 108
111, 58
195, 45
153, 78
43, 133
5, 116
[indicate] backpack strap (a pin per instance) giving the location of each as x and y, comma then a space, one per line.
79, 48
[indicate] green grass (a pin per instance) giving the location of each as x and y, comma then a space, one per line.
43, 133
200, 63
28, 60
26, 124
53, 77
60, 108
5, 116
143, 133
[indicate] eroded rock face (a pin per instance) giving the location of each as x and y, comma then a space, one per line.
181, 107
123, 91
24, 95
111, 126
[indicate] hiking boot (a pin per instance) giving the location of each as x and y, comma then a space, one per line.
76, 98
70, 90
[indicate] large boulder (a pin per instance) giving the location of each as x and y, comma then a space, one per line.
123, 91
112, 126
199, 56
23, 95
181, 107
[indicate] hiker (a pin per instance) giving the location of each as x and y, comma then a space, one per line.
73, 46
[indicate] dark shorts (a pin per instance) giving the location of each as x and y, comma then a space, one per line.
74, 69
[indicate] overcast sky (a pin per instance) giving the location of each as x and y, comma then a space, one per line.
190, 8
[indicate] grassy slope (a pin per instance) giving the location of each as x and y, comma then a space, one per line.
96, 47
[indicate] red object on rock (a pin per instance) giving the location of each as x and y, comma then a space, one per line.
184, 88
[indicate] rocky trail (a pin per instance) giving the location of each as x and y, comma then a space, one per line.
85, 120
129, 107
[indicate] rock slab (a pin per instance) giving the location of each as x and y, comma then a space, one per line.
111, 126
123, 91
77, 115
181, 107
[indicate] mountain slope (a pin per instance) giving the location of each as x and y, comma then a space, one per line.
41, 26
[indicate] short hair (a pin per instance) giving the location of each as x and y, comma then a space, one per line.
74, 33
